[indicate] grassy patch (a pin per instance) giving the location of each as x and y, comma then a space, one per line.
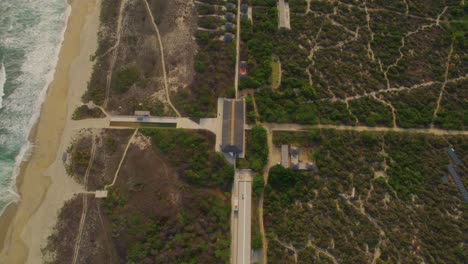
275, 73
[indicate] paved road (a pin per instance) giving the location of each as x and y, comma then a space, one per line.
236, 80
242, 220
244, 228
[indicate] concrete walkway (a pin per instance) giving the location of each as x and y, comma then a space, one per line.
209, 124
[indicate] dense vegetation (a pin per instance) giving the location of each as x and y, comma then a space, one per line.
214, 65
83, 112
125, 78
177, 238
191, 154
166, 219
401, 210
78, 157
257, 148
340, 68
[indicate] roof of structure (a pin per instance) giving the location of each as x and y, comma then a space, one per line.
228, 37
454, 156
142, 113
244, 8
458, 182
285, 156
233, 126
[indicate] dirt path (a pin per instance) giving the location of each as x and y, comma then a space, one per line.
260, 203
324, 252
163, 61
106, 240
122, 159
394, 115
394, 89
252, 95
115, 52
85, 203
297, 127
289, 247
308, 6
442, 89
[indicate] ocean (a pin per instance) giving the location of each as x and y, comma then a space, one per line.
31, 32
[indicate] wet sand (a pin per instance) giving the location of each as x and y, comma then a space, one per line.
43, 184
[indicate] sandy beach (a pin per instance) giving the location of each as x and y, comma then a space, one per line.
43, 184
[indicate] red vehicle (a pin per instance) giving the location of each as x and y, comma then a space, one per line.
243, 68
236, 204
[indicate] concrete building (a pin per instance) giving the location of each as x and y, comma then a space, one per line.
244, 8
458, 182
229, 16
230, 6
454, 157
295, 157
283, 13
228, 37
142, 113
298, 164
285, 156
100, 194
229, 26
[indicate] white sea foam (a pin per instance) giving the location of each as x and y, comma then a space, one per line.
21, 109
2, 83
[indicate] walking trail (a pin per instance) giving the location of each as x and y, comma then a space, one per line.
163, 61
85, 202
115, 50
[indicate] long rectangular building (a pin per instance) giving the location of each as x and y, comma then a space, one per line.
233, 125
458, 182
285, 156
283, 13
454, 157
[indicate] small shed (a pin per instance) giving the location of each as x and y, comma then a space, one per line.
229, 16
285, 156
454, 157
295, 156
100, 194
228, 26
230, 6
458, 182
142, 113
228, 37
244, 8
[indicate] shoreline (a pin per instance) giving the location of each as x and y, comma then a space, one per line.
42, 183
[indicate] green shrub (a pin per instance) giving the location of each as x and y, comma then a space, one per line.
125, 79
257, 152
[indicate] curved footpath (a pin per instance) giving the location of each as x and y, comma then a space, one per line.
43, 183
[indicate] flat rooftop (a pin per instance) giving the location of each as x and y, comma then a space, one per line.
233, 125
285, 156
283, 13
